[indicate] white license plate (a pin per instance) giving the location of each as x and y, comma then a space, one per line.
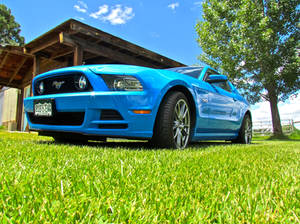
43, 108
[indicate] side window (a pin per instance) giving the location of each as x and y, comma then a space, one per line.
223, 85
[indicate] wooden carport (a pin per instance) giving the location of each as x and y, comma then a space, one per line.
71, 43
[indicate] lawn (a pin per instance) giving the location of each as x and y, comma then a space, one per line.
126, 182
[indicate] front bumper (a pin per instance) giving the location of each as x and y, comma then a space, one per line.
92, 104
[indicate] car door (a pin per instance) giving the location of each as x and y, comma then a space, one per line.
222, 104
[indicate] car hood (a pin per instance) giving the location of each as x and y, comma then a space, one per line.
117, 69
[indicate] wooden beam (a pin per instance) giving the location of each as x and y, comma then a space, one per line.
78, 55
102, 50
15, 50
36, 69
43, 46
60, 54
98, 60
4, 60
17, 70
36, 65
20, 109
123, 44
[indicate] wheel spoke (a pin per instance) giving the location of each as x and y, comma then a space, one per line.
248, 132
177, 111
175, 124
185, 113
185, 132
182, 109
176, 133
179, 138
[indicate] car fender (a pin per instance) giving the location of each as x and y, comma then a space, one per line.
244, 111
172, 84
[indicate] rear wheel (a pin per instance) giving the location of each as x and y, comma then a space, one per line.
245, 134
173, 124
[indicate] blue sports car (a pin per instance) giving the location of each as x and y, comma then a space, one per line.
169, 107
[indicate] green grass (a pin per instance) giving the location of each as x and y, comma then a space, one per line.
295, 135
125, 182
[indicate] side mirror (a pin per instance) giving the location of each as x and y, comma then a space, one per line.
216, 78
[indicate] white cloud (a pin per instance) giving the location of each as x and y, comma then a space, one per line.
173, 6
198, 4
116, 15
81, 7
291, 109
77, 7
83, 4
119, 15
102, 10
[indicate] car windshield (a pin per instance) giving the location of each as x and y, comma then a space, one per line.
190, 71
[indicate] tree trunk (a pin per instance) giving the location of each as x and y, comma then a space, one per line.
273, 99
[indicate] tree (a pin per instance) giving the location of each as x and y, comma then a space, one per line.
255, 43
9, 28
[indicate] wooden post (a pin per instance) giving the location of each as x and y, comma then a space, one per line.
36, 69
78, 55
20, 109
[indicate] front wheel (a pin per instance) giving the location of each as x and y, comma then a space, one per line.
245, 134
173, 124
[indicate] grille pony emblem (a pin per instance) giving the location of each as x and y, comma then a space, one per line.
57, 84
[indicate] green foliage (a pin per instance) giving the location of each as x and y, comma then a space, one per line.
295, 135
256, 43
9, 28
43, 182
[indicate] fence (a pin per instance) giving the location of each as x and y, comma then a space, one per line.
265, 127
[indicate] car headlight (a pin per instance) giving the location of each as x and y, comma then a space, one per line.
81, 82
41, 88
122, 83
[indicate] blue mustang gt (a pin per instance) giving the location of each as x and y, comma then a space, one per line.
170, 107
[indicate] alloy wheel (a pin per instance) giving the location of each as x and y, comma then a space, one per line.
182, 124
248, 131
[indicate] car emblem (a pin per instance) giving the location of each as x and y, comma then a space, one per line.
57, 84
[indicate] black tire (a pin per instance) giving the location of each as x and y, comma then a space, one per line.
173, 130
245, 133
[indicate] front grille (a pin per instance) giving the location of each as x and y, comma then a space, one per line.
107, 115
59, 118
66, 83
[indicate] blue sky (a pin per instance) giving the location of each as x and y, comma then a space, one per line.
164, 26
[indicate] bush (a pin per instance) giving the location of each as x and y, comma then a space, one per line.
295, 135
